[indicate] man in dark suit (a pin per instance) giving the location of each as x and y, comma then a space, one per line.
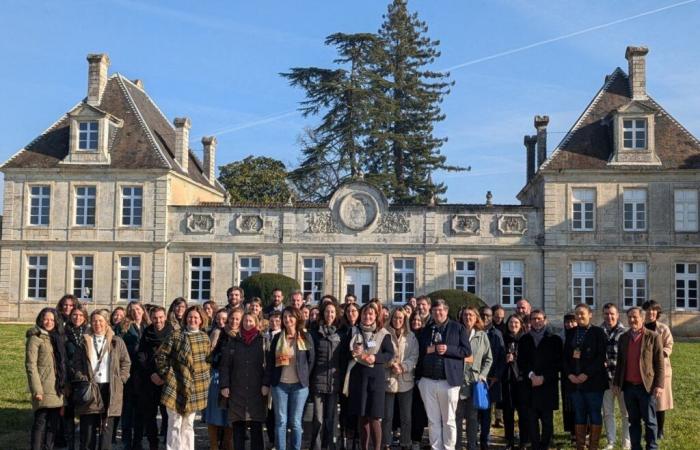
539, 359
640, 375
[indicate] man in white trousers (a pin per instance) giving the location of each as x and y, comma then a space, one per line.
613, 330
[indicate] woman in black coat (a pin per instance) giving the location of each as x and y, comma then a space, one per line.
348, 422
371, 348
511, 400
325, 382
74, 331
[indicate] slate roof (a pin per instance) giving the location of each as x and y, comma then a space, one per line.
145, 141
589, 143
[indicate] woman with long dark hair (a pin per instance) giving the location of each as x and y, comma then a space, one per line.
73, 334
348, 422
419, 419
46, 373
511, 401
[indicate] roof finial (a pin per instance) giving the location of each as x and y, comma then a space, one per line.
489, 198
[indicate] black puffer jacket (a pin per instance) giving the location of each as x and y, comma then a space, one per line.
325, 376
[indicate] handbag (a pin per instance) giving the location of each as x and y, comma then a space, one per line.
83, 393
480, 395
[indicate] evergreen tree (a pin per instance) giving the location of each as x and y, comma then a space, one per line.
255, 179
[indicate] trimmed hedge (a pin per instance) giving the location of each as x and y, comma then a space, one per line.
262, 284
456, 298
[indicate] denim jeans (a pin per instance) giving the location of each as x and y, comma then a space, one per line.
587, 407
288, 401
641, 405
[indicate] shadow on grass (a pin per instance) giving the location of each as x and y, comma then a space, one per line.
14, 432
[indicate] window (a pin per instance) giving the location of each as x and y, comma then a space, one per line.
82, 277
583, 282
512, 274
85, 205
249, 265
635, 210
404, 279
132, 202
686, 209
634, 287
583, 201
313, 278
465, 275
87, 135
40, 204
635, 133
37, 269
200, 278
687, 286
129, 277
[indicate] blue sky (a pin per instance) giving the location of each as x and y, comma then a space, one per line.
218, 63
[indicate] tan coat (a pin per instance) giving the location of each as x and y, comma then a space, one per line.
665, 402
651, 365
41, 373
406, 354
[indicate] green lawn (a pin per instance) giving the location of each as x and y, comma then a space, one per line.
15, 409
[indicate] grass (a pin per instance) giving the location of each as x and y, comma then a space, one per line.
16, 410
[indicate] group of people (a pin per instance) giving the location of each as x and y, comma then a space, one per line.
370, 377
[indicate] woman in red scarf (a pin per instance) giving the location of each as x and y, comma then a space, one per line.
241, 371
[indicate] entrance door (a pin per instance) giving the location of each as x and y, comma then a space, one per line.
359, 281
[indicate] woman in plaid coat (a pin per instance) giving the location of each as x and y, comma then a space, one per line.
183, 365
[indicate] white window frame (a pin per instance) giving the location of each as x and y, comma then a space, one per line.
685, 207
636, 272
130, 268
314, 272
84, 276
583, 207
634, 204
635, 132
686, 284
466, 277
199, 272
511, 271
128, 208
404, 280
41, 200
583, 283
85, 201
39, 263
89, 137
248, 268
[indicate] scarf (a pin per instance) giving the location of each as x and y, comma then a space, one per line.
74, 334
537, 335
249, 335
154, 337
283, 350
327, 330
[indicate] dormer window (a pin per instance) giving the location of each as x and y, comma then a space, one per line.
88, 132
635, 133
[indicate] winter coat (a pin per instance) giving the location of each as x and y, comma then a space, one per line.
510, 387
41, 370
325, 376
183, 363
651, 360
665, 402
593, 348
119, 366
498, 363
541, 360
304, 361
241, 369
367, 385
406, 354
477, 370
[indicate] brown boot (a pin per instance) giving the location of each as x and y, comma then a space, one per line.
594, 438
227, 439
213, 437
581, 436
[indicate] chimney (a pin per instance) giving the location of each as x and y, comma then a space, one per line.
530, 142
541, 123
209, 144
636, 58
97, 77
182, 139
138, 83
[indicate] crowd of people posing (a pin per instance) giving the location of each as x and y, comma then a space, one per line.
253, 371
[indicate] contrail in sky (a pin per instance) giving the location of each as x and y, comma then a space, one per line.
566, 36
255, 123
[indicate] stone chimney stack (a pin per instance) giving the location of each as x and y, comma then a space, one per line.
541, 123
209, 144
530, 142
182, 139
636, 58
97, 77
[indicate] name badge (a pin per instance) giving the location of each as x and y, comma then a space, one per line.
371, 344
577, 354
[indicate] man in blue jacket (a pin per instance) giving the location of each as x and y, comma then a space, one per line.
444, 345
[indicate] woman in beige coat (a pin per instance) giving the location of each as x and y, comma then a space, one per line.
46, 374
665, 402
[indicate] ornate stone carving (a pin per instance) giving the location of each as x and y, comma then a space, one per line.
466, 224
200, 223
321, 222
357, 211
249, 223
512, 224
393, 222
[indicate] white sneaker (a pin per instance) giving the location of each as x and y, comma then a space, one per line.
609, 447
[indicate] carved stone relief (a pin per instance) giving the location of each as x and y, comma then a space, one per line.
321, 222
466, 224
249, 223
393, 222
200, 223
357, 211
512, 224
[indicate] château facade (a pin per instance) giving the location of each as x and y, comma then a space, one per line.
109, 203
